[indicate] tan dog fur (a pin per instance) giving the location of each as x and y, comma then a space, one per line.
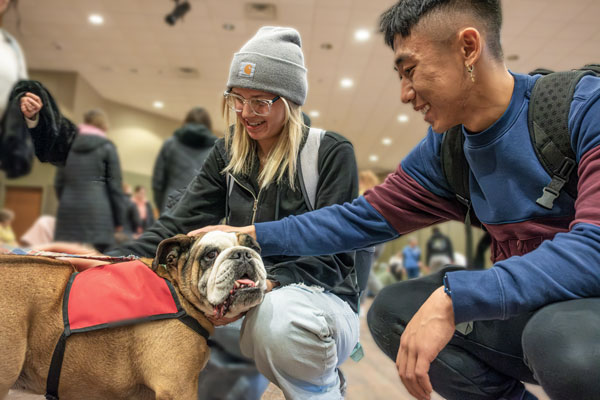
158, 359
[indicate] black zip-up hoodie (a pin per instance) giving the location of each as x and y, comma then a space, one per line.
204, 203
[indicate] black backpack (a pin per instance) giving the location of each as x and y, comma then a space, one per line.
548, 119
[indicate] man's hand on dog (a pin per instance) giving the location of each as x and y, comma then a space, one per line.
79, 264
248, 230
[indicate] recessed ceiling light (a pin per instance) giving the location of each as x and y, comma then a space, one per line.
314, 114
96, 19
403, 118
158, 104
362, 35
386, 141
347, 83
373, 158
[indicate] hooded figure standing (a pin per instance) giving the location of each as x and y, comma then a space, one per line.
182, 155
88, 187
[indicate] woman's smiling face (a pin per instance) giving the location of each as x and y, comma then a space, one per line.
265, 129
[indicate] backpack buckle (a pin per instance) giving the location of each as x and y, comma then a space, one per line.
551, 192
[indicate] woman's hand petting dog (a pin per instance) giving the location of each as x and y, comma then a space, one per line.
248, 230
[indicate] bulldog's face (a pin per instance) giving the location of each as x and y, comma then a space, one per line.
220, 273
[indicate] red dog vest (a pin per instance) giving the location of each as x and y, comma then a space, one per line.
114, 295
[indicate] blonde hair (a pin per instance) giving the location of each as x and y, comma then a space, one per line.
282, 157
366, 180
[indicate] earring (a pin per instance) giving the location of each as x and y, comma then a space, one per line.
470, 69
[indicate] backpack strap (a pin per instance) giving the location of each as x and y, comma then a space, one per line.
308, 170
456, 171
454, 164
548, 122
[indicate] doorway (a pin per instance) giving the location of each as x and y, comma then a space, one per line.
26, 202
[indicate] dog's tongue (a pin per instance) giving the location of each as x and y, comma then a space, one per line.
246, 282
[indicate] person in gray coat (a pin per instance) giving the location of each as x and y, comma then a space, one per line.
182, 155
88, 187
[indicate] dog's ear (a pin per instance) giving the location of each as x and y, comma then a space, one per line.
170, 249
247, 241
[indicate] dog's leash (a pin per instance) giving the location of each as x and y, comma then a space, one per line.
17, 251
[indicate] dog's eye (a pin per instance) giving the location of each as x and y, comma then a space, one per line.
211, 255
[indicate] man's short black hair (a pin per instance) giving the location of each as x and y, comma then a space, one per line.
402, 17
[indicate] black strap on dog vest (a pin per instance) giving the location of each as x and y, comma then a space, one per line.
55, 368
194, 325
59, 353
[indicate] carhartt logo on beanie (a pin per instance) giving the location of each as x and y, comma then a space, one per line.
272, 61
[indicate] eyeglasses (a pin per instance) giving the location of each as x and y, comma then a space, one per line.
260, 107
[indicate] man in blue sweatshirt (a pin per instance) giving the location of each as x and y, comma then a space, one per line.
534, 316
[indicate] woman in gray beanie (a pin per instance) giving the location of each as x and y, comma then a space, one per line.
307, 324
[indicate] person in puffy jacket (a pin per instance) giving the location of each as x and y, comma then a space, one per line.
88, 187
182, 155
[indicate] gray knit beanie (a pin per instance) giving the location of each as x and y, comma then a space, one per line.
272, 61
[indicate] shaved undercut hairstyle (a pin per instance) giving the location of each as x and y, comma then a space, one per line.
442, 18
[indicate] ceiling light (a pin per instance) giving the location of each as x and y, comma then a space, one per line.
386, 141
158, 104
96, 19
403, 118
347, 83
314, 114
362, 35
373, 158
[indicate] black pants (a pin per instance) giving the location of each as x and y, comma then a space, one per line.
558, 347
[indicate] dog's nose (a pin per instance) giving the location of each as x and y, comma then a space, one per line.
241, 254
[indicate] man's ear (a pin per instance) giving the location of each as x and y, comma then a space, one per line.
247, 241
471, 44
170, 249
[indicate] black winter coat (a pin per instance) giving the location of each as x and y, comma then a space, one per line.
133, 221
179, 160
89, 192
204, 203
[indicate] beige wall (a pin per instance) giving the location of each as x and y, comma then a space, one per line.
137, 134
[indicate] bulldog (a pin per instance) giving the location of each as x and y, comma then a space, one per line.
217, 274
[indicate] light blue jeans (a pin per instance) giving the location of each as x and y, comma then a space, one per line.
298, 336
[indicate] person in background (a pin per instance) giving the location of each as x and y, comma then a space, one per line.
439, 251
40, 233
140, 215
411, 258
12, 67
88, 187
366, 180
7, 236
182, 155
16, 147
396, 266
